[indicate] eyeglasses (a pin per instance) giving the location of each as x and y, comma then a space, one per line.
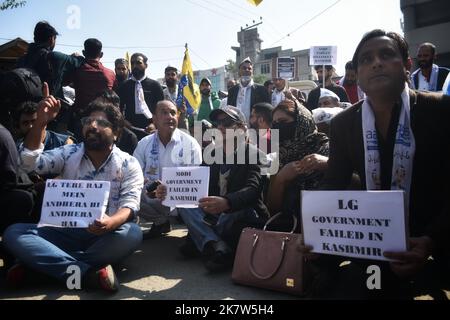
99, 121
225, 122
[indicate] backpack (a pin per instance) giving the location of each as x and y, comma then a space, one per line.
20, 85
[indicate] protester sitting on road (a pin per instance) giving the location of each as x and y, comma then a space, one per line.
412, 135
303, 157
52, 251
235, 197
167, 147
323, 116
24, 117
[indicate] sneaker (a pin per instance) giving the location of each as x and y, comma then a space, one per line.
104, 278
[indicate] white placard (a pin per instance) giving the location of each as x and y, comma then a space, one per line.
185, 186
286, 68
73, 203
323, 55
359, 224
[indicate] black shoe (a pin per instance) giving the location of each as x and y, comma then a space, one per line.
221, 259
157, 230
189, 250
219, 262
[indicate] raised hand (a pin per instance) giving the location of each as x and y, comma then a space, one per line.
48, 108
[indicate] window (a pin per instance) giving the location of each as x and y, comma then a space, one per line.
265, 68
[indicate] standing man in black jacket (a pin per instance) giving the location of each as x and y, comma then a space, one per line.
139, 96
247, 93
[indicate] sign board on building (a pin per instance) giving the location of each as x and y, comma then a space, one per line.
323, 55
359, 224
286, 68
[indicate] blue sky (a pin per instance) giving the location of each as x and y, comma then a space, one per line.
160, 28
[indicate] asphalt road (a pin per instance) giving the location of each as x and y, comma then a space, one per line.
156, 271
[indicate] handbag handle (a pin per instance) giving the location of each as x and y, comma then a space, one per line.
252, 268
278, 215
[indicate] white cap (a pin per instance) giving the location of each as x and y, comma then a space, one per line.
328, 93
322, 115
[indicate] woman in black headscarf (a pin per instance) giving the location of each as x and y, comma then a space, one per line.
303, 156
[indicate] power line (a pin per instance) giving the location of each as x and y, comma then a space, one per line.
227, 9
112, 47
207, 63
213, 11
240, 7
304, 24
277, 32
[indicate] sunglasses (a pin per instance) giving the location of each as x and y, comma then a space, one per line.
99, 121
226, 122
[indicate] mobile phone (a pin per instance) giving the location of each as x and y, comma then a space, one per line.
210, 219
152, 186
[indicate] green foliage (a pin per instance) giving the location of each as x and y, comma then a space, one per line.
11, 4
260, 79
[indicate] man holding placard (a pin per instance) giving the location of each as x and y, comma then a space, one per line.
396, 139
167, 147
235, 195
91, 251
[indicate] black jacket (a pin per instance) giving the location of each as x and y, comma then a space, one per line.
258, 94
244, 187
430, 187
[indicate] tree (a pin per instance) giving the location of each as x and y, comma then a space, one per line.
11, 4
231, 67
260, 79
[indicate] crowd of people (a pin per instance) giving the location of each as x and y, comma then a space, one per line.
86, 122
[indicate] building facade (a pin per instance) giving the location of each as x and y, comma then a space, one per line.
428, 21
265, 64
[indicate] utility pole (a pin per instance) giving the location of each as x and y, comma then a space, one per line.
247, 27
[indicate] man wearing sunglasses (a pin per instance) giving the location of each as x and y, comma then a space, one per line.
235, 195
107, 241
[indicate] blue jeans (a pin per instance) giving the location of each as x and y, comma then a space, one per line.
201, 233
52, 250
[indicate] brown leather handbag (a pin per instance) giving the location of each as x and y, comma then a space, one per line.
270, 260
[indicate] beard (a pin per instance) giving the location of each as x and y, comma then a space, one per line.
95, 141
171, 83
426, 63
206, 92
121, 78
138, 73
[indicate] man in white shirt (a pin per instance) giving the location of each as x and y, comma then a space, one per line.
167, 147
246, 93
107, 241
429, 76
